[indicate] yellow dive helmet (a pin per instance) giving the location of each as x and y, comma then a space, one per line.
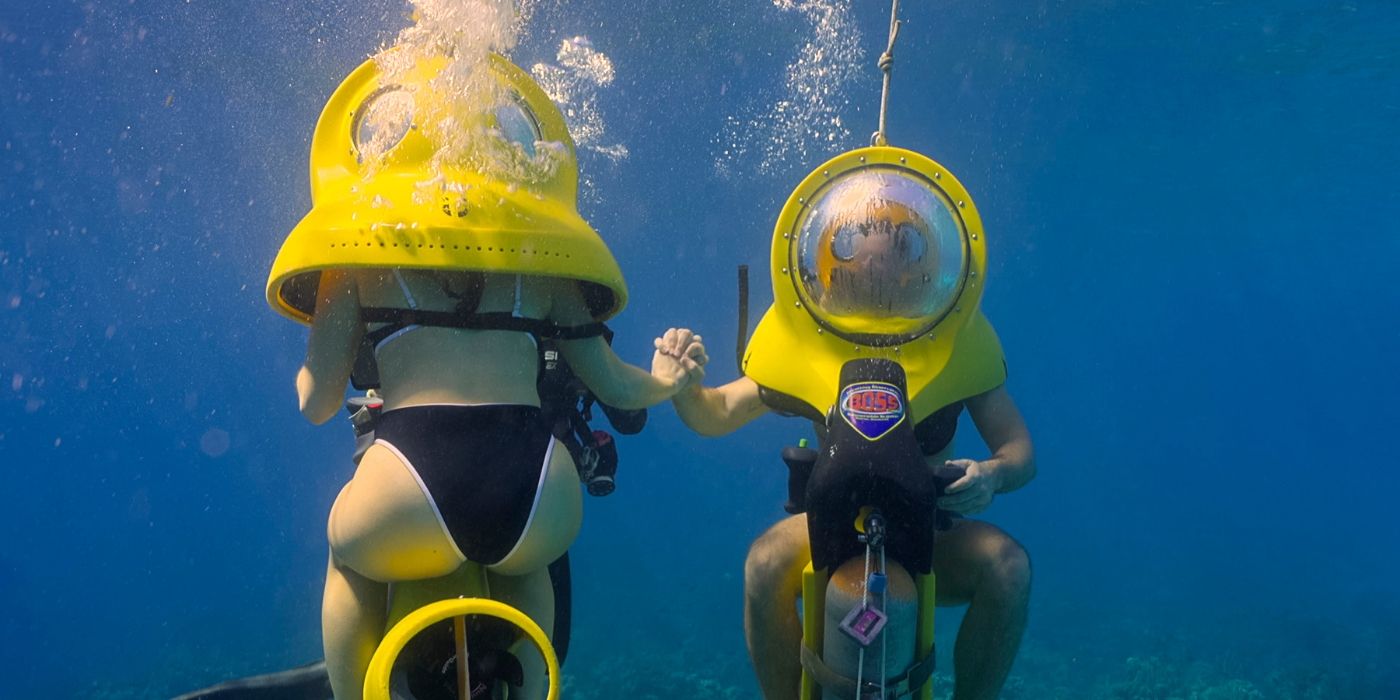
878, 253
383, 197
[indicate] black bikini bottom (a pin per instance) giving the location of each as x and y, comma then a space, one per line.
481, 466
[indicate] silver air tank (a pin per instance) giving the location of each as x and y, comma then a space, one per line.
901, 606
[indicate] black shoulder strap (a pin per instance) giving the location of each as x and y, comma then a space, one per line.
789, 405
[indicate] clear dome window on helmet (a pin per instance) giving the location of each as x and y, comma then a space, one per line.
880, 252
518, 126
381, 122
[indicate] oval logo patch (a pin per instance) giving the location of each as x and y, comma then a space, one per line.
872, 408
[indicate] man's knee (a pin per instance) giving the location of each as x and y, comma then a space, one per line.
766, 566
775, 560
1008, 566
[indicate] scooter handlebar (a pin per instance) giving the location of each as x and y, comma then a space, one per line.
946, 474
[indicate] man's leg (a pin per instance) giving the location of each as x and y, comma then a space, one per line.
772, 584
979, 565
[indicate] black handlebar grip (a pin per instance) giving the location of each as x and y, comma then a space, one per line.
625, 421
800, 461
944, 476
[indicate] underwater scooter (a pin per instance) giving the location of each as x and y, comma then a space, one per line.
871, 505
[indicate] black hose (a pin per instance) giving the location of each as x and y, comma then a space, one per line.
743, 338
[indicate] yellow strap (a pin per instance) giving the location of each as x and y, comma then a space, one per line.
813, 622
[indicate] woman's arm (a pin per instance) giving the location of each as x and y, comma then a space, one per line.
613, 381
330, 349
720, 410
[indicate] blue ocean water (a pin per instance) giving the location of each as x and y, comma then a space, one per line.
1191, 216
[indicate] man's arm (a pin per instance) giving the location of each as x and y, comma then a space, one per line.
718, 410
1004, 430
1011, 465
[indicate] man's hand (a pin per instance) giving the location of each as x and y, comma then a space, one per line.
972, 493
680, 358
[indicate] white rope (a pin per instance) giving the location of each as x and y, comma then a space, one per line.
864, 600
886, 66
884, 608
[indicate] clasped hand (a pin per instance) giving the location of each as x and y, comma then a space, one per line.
680, 358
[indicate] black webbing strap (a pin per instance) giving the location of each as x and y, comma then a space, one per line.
789, 406
920, 673
366, 372
743, 318
824, 676
901, 686
489, 321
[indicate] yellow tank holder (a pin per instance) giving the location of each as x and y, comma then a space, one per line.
949, 351
400, 209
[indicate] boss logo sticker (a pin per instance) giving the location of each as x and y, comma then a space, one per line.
872, 408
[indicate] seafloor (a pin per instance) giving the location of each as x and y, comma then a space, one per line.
1311, 653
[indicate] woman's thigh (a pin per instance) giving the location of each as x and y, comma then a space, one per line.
385, 528
556, 519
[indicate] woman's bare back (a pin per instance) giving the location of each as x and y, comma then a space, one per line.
427, 365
